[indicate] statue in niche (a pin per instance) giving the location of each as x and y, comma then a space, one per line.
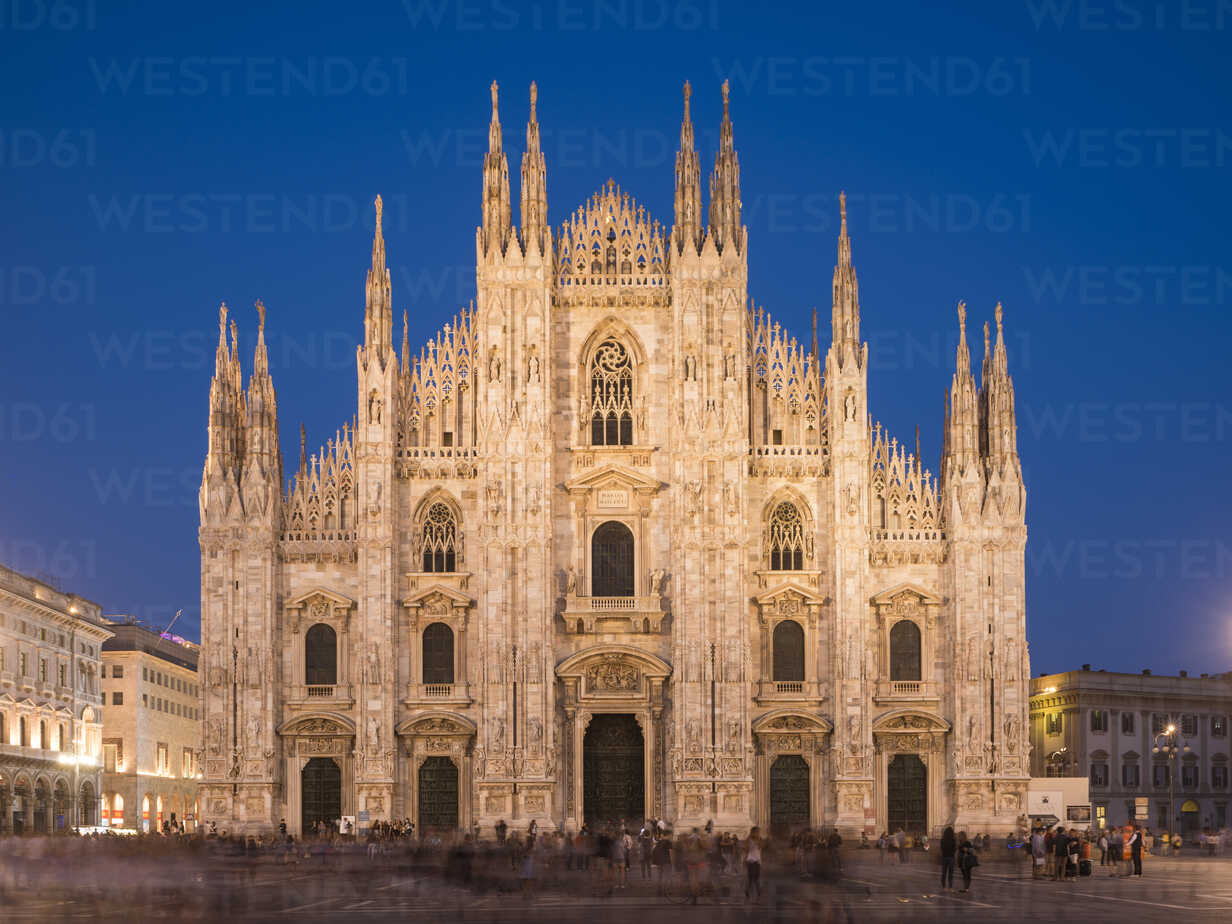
971, 746
497, 726
374, 664
690, 368
532, 367
374, 735
494, 365
657, 577
855, 727
571, 582
1011, 734
254, 733
374, 407
849, 406
214, 733
693, 733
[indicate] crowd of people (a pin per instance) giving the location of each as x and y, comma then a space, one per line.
600, 859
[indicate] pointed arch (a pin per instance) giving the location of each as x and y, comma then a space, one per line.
438, 534
788, 531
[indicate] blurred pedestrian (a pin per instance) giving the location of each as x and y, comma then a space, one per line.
949, 852
752, 864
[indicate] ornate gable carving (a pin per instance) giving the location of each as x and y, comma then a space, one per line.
318, 605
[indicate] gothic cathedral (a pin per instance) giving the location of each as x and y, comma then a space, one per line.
614, 545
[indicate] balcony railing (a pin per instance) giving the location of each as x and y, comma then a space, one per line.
438, 689
614, 614
791, 690
322, 691
906, 689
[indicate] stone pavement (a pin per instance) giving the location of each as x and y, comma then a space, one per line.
1185, 889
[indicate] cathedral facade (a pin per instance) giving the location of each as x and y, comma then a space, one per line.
613, 545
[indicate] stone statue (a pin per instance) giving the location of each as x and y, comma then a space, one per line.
374, 735
1011, 734
570, 582
854, 729
849, 405
656, 581
214, 733
693, 733
498, 734
374, 407
374, 664
254, 732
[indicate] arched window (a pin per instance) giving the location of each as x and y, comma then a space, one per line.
320, 656
438, 653
43, 742
611, 395
440, 539
788, 651
63, 739
786, 538
24, 741
905, 651
611, 561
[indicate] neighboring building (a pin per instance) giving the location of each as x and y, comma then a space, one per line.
50, 719
151, 728
613, 544
1103, 725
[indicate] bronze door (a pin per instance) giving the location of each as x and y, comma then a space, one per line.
789, 794
907, 794
321, 792
613, 770
438, 794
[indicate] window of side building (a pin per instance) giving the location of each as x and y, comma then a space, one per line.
1099, 774
1219, 726
1127, 723
1189, 726
1099, 720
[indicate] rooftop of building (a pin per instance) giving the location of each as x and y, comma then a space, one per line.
1144, 682
130, 635
43, 591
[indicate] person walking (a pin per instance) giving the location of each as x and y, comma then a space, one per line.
1060, 853
1038, 853
967, 861
1116, 843
900, 844
949, 850
752, 864
1103, 848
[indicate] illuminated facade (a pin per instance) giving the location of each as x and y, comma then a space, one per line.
50, 707
613, 544
151, 729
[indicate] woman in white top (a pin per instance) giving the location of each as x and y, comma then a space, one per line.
752, 863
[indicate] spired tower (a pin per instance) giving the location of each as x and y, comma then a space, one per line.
614, 545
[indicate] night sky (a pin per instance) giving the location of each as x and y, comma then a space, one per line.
1070, 159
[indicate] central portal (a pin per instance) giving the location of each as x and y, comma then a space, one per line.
321, 792
613, 770
907, 794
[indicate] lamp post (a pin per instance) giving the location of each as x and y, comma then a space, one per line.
1170, 750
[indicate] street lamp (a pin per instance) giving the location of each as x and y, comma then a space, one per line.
1170, 750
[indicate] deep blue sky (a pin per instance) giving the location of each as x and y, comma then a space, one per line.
1066, 158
